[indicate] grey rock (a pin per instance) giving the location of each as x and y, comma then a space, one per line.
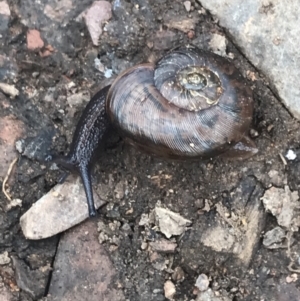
169, 222
283, 204
268, 33
33, 282
63, 207
82, 268
273, 239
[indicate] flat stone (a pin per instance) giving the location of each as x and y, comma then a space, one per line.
268, 32
82, 268
63, 207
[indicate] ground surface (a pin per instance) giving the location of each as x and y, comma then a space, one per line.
209, 194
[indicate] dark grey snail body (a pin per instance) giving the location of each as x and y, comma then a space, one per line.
192, 104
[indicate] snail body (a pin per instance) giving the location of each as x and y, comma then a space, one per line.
191, 105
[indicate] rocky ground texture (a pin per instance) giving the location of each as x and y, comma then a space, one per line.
216, 230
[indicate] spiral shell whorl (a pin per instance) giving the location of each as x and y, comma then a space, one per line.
179, 127
183, 77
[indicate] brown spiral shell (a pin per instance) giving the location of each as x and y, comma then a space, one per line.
192, 104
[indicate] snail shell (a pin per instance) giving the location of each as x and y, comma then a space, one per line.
192, 104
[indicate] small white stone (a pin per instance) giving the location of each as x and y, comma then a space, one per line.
9, 89
98, 65
4, 259
169, 289
70, 85
187, 5
291, 155
108, 73
202, 282
20, 146
169, 222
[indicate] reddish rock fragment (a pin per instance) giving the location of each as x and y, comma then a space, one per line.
11, 129
34, 40
82, 268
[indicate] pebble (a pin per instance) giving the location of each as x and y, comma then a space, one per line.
169, 289
95, 18
4, 259
187, 5
202, 282
10, 90
4, 8
169, 222
178, 274
34, 40
291, 155
283, 204
218, 44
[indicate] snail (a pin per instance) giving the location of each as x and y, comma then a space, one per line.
191, 105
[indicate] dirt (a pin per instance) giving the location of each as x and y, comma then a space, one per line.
141, 181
